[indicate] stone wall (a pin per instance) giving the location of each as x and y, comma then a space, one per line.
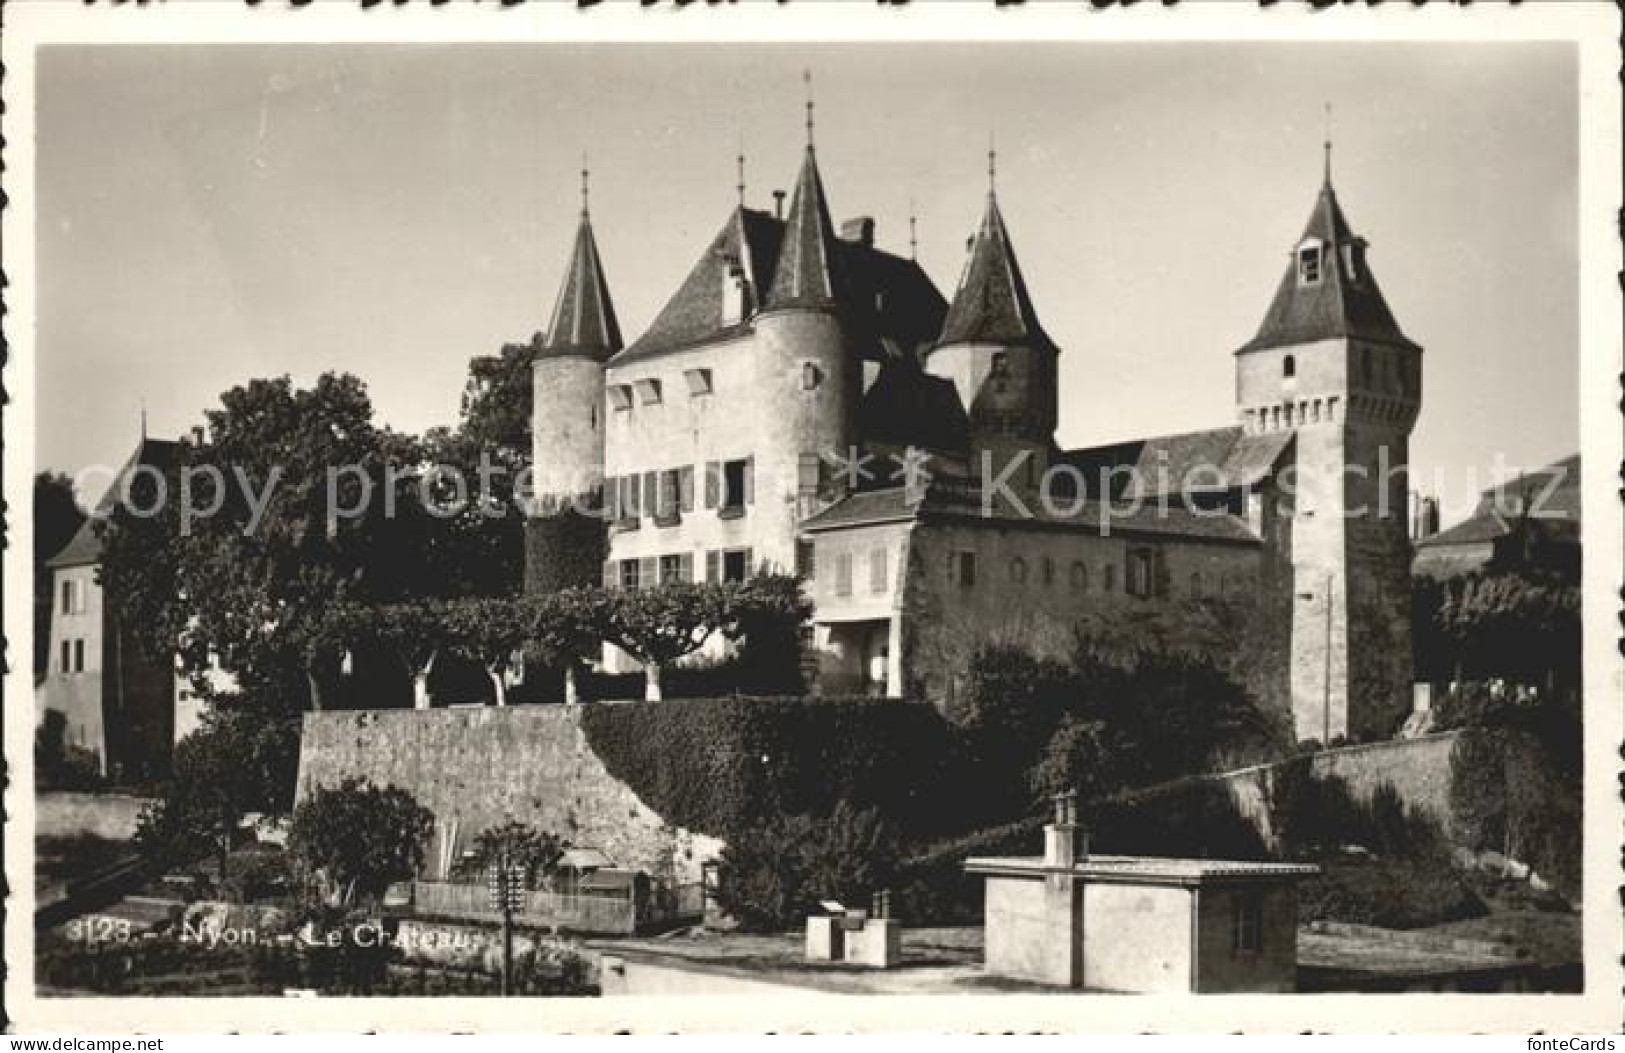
1418, 769
109, 815
480, 767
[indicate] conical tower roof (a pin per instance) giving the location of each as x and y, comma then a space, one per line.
1342, 300
992, 305
807, 273
584, 320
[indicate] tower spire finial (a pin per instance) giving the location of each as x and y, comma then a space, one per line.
1327, 144
992, 164
586, 176
913, 231
143, 420
741, 160
806, 77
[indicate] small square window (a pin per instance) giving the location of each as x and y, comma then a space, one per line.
736, 564
698, 380
1309, 264
649, 391
620, 396
629, 573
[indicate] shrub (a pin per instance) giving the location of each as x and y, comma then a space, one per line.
1390, 893
359, 838
59, 766
520, 844
773, 875
256, 872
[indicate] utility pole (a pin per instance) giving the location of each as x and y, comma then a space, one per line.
1326, 676
506, 887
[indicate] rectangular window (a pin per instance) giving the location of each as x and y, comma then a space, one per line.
670, 496
735, 485
672, 569
1138, 582
67, 597
736, 564
629, 573
78, 656
1248, 934
843, 574
806, 560
962, 569
877, 570
1309, 265
67, 651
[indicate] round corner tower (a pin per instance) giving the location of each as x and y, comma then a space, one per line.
1001, 361
565, 535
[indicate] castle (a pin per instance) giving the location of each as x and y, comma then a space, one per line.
809, 402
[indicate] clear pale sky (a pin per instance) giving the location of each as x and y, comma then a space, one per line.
211, 214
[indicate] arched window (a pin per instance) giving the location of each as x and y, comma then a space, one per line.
1080, 577
1289, 367
1018, 570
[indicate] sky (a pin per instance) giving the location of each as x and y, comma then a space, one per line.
210, 214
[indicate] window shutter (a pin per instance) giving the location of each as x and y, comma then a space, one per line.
713, 564
648, 572
685, 488
685, 564
750, 482
750, 561
632, 505
1159, 572
713, 484
610, 581
651, 493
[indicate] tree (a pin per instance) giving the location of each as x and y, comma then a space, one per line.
488, 632
765, 615
659, 625
241, 759
496, 409
57, 517
359, 838
416, 632
563, 629
514, 843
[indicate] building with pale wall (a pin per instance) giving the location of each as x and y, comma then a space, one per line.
807, 401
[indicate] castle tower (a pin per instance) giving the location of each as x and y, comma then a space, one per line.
997, 354
808, 379
1331, 365
565, 538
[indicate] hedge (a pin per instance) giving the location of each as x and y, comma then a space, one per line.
722, 765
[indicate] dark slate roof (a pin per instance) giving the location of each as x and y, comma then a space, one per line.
1147, 467
992, 305
959, 503
1342, 304
584, 320
808, 270
892, 304
1498, 511
908, 407
86, 544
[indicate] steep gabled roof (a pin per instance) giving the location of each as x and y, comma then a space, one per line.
1142, 468
808, 269
908, 407
584, 320
992, 305
86, 544
885, 297
1345, 302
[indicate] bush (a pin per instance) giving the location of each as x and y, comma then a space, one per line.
770, 877
1389, 893
256, 872
519, 844
59, 766
360, 839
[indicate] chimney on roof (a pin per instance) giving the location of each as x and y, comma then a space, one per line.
1426, 520
860, 230
197, 435
778, 204
1062, 847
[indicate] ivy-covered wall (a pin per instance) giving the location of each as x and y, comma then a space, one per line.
719, 765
